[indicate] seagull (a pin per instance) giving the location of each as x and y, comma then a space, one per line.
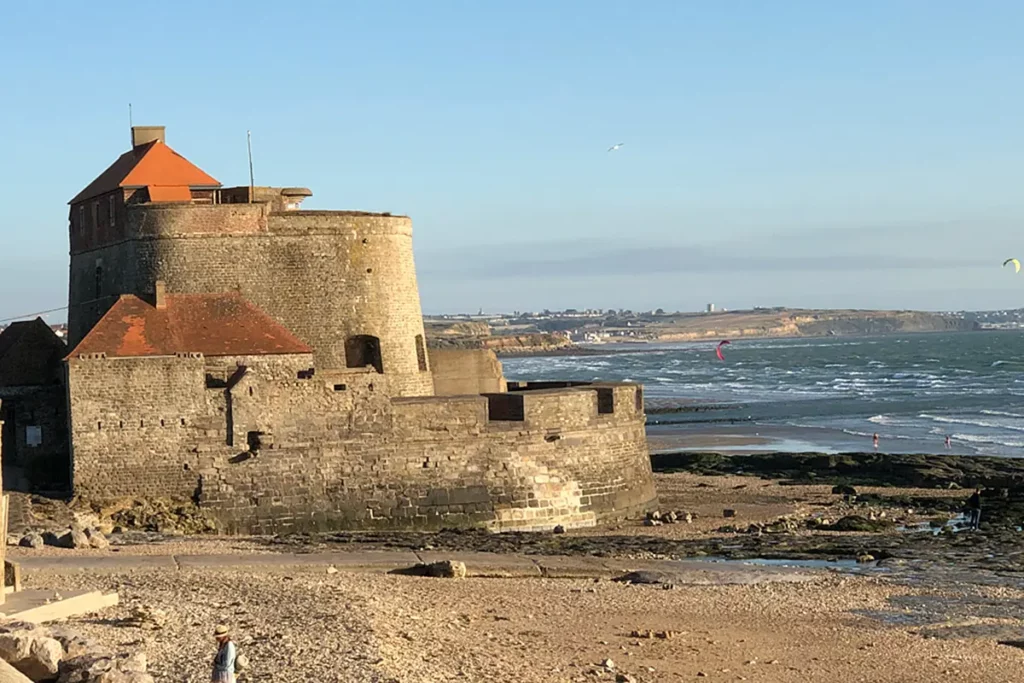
615, 147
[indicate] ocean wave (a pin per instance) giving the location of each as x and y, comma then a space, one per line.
971, 423
987, 439
1001, 413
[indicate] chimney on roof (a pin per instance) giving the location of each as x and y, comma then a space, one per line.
161, 294
142, 135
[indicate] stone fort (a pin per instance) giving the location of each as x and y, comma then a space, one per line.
269, 363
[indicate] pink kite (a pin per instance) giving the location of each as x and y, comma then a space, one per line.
718, 349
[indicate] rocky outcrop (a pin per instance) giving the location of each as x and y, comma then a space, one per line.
36, 653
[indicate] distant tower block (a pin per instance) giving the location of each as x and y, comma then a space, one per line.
710, 308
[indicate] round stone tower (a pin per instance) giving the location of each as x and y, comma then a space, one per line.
342, 281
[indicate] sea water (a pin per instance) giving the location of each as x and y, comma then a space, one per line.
829, 394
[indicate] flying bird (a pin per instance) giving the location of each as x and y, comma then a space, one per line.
615, 147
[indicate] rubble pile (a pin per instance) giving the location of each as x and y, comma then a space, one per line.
44, 654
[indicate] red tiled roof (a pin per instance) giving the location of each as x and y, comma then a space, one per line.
210, 324
151, 164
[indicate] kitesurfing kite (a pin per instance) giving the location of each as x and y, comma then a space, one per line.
1015, 262
616, 146
718, 349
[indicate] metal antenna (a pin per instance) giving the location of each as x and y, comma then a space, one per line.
131, 124
252, 183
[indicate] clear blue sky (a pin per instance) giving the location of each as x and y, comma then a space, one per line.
805, 153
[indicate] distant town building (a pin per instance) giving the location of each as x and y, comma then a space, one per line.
711, 308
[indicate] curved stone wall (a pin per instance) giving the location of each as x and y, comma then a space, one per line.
327, 276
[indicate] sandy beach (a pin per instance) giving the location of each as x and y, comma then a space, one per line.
309, 622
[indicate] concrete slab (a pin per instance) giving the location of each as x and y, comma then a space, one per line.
38, 606
112, 562
487, 564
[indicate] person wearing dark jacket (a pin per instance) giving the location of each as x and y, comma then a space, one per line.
974, 509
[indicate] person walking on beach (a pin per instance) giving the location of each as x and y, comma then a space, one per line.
224, 660
949, 443
974, 509
874, 440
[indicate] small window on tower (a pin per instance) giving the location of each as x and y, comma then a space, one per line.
95, 215
81, 218
99, 281
421, 353
111, 207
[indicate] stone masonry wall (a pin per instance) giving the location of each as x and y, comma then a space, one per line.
458, 372
325, 275
444, 465
334, 451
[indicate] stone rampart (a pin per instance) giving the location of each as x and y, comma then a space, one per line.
269, 447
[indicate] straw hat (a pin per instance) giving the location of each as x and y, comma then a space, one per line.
221, 631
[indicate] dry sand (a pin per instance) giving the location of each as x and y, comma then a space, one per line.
313, 626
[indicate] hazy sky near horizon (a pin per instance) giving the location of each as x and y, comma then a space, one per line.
801, 153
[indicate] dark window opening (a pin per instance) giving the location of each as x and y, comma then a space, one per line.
363, 350
340, 387
250, 391
421, 353
505, 407
252, 439
306, 374
161, 422
99, 425
639, 399
369, 270
370, 386
605, 401
99, 280
182, 422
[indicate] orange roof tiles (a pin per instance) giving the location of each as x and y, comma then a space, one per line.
151, 164
210, 324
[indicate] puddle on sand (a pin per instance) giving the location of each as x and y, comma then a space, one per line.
794, 563
954, 524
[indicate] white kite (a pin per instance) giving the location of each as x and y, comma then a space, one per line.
615, 147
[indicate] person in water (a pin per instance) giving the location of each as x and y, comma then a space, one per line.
949, 442
974, 509
874, 440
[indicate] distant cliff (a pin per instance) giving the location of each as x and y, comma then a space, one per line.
477, 335
804, 323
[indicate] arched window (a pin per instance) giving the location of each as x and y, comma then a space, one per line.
362, 350
421, 353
